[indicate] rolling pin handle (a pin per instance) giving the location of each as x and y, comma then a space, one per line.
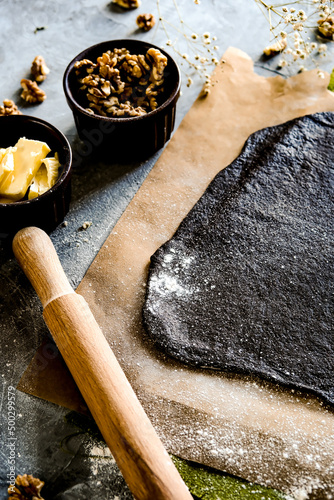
137, 449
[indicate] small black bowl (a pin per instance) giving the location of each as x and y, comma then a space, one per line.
49, 209
136, 137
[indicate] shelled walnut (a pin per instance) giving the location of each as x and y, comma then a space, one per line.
122, 84
9, 108
128, 4
31, 91
275, 48
326, 27
145, 21
26, 487
39, 69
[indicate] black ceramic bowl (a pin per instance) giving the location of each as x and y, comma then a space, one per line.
138, 136
49, 209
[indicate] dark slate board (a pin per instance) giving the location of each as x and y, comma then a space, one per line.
246, 283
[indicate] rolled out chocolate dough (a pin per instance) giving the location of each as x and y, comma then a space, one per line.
246, 283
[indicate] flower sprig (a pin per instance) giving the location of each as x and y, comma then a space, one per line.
293, 26
300, 31
197, 51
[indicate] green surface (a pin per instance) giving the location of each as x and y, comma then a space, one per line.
331, 82
203, 482
209, 484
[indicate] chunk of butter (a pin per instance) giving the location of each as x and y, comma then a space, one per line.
6, 165
27, 159
45, 178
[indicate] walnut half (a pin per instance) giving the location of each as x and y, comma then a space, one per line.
31, 91
9, 108
326, 27
39, 69
128, 4
26, 487
145, 21
275, 48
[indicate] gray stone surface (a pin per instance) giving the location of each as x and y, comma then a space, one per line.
101, 191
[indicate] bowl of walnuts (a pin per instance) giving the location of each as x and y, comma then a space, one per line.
123, 96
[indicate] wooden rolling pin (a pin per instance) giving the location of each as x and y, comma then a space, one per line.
137, 449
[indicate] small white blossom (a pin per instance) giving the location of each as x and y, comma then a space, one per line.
298, 27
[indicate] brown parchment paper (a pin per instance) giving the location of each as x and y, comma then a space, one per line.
243, 426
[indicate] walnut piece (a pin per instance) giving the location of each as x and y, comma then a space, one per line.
145, 21
275, 48
31, 91
326, 27
9, 108
122, 84
26, 487
159, 64
128, 4
39, 69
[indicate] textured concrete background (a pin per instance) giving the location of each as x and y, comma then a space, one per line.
71, 464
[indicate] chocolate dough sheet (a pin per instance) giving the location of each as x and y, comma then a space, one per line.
246, 283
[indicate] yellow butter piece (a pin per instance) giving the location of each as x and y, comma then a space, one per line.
6, 165
2, 153
6, 200
45, 178
27, 160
